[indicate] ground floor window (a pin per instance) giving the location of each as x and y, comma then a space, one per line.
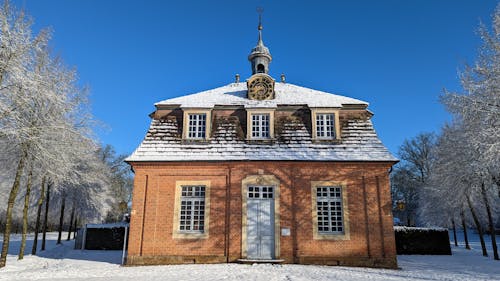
329, 209
192, 211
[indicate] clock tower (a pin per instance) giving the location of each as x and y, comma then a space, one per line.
260, 85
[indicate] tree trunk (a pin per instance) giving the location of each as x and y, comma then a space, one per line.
490, 222
10, 206
464, 226
478, 226
496, 179
71, 221
61, 219
74, 228
454, 232
47, 202
38, 215
25, 213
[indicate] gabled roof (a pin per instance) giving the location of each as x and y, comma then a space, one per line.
285, 94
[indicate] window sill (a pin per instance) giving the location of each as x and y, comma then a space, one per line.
332, 236
190, 235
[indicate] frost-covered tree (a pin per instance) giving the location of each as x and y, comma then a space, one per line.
45, 121
451, 190
478, 107
17, 46
477, 113
120, 184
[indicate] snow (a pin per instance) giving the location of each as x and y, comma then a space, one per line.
62, 262
285, 94
107, 225
359, 143
406, 228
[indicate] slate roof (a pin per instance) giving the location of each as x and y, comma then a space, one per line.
163, 141
359, 143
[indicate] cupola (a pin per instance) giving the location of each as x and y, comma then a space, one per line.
260, 57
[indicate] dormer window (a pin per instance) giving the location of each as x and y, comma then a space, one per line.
260, 124
196, 124
325, 124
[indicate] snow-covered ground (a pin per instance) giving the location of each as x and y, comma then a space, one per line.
61, 262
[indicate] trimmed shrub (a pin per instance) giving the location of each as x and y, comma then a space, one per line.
422, 241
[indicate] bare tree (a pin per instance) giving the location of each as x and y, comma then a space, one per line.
411, 175
119, 183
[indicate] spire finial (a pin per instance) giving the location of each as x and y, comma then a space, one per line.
260, 56
260, 10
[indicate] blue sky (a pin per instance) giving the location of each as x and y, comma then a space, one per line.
397, 55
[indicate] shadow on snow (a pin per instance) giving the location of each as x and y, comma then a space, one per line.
65, 250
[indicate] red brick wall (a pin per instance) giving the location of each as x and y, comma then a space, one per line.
369, 205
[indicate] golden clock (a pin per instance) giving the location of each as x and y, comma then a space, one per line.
260, 87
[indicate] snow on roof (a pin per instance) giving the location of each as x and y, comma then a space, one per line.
285, 94
359, 143
163, 142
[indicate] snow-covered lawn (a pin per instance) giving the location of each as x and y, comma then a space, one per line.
61, 262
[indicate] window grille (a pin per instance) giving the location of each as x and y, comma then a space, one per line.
325, 126
197, 126
260, 192
192, 213
329, 209
260, 126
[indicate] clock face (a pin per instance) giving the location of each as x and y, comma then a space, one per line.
260, 88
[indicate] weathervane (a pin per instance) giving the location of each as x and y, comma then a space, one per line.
260, 10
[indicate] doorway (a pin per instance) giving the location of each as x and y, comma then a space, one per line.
260, 222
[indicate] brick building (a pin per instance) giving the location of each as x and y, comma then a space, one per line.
261, 171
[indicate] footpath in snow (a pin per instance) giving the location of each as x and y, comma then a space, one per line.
62, 262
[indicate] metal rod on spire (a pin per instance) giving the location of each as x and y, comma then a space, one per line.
260, 10
260, 57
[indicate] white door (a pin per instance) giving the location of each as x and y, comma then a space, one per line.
260, 222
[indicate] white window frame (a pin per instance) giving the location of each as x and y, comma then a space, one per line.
261, 126
199, 132
329, 210
344, 212
197, 124
192, 219
260, 192
325, 126
177, 233
335, 134
259, 134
